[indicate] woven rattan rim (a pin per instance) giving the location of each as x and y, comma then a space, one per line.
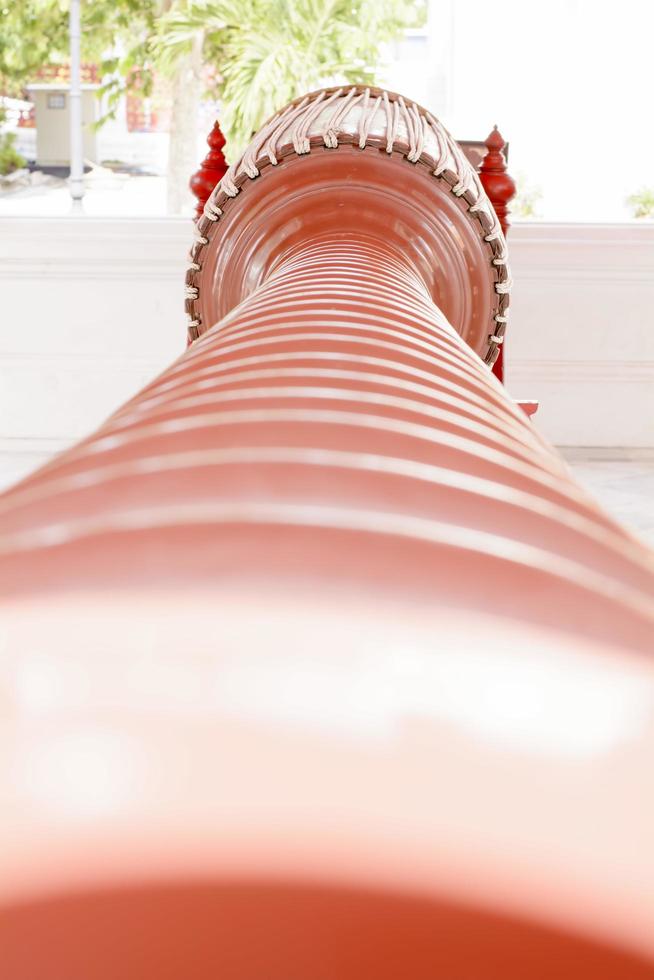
450, 167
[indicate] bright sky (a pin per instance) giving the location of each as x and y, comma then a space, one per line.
569, 82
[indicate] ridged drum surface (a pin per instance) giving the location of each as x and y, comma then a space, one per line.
335, 403
314, 660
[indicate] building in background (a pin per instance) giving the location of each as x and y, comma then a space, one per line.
52, 122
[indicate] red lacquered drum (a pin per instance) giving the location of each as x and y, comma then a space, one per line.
397, 173
315, 662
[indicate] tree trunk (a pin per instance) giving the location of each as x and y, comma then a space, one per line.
182, 152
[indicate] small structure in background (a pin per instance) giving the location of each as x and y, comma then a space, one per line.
52, 112
50, 94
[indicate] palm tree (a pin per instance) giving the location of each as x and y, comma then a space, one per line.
266, 52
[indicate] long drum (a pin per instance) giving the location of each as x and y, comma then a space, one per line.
316, 662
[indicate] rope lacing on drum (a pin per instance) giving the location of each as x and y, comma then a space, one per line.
293, 125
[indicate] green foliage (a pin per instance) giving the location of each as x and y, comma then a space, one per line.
642, 203
34, 33
527, 198
267, 52
264, 52
10, 158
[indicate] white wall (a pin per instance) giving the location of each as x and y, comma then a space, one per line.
581, 333
90, 309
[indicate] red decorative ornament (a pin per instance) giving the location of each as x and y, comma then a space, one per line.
212, 168
498, 184
500, 187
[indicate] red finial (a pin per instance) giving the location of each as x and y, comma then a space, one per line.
213, 167
497, 183
500, 188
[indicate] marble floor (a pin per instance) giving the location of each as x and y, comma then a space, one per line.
622, 480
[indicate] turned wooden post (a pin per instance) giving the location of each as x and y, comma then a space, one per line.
212, 168
500, 187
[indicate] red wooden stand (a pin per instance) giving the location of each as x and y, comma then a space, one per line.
500, 187
212, 168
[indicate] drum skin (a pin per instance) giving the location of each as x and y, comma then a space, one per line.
315, 661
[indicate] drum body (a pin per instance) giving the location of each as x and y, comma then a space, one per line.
356, 160
315, 660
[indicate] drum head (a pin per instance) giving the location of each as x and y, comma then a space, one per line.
388, 172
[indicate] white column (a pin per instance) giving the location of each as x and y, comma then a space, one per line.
76, 182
